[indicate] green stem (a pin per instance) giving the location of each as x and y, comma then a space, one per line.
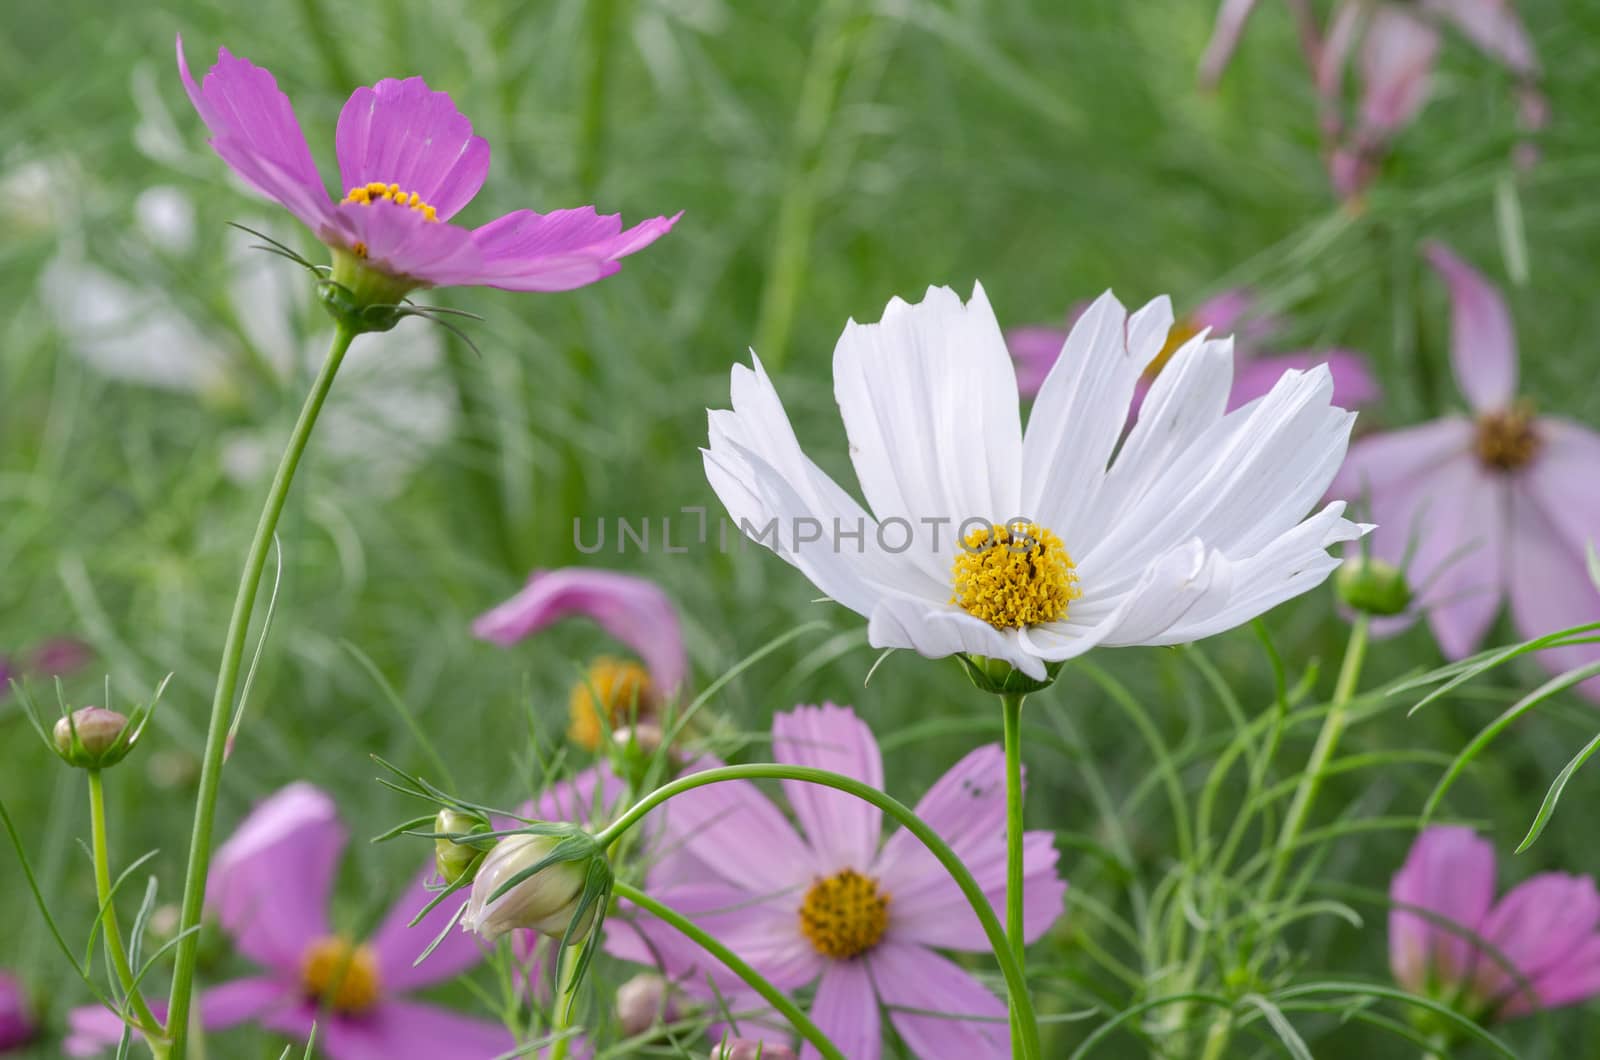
1327, 741
145, 1020
194, 881
1011, 705
1216, 1046
563, 1004
777, 998
1010, 967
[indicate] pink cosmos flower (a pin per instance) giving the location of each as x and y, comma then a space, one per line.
833, 904
270, 889
408, 162
1233, 311
17, 1026
1499, 504
630, 608
1547, 927
1395, 44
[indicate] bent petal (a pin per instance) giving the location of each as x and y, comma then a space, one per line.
1354, 385
558, 251
1449, 872
955, 1017
254, 130
632, 609
846, 1010
403, 132
271, 881
841, 828
1483, 349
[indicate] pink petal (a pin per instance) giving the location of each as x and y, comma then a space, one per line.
843, 829
1396, 460
1397, 60
403, 132
1034, 349
558, 251
1460, 561
270, 882
971, 1023
1353, 382
632, 609
731, 829
17, 1023
1537, 926
254, 130
1494, 27
1549, 579
410, 1030
1231, 17
1483, 349
1233, 312
1575, 978
92, 1029
846, 1010
397, 946
1450, 872
966, 807
590, 797
400, 241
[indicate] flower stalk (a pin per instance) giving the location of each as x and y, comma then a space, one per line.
1011, 706
194, 883
145, 1020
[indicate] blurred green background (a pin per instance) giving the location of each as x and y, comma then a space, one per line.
828, 155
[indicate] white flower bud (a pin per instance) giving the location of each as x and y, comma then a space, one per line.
545, 902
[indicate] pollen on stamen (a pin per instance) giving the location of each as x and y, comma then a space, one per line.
367, 194
1015, 575
1507, 440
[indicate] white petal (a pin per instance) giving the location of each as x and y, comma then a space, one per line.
936, 632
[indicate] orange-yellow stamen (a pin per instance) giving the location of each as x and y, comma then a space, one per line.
844, 915
1015, 575
340, 974
367, 194
619, 690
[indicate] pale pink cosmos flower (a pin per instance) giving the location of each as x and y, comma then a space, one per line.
632, 609
270, 889
1493, 505
408, 162
834, 903
1547, 928
17, 1025
1394, 45
1035, 349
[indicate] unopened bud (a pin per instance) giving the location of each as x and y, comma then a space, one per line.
547, 901
453, 859
644, 738
1372, 586
750, 1049
644, 1001
92, 737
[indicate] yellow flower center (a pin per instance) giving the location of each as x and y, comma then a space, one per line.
367, 194
1182, 331
1506, 440
618, 690
1014, 576
845, 915
340, 974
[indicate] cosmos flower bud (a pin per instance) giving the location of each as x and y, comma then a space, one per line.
454, 859
93, 738
1372, 587
750, 1049
554, 884
643, 1001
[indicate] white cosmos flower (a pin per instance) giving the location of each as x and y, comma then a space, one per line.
1195, 523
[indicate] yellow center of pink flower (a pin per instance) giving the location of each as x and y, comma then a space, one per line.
367, 194
1506, 440
1014, 575
340, 974
1181, 332
844, 915
619, 690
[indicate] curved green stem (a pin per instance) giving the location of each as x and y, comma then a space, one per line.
194, 881
1011, 705
777, 998
1010, 967
145, 1020
1327, 741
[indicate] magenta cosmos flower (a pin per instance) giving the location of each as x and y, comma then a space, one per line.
1036, 348
632, 609
270, 889
1547, 928
1495, 504
1395, 47
832, 903
408, 162
17, 1026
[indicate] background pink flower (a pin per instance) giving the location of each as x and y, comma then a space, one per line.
17, 1026
1546, 927
1499, 504
270, 889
